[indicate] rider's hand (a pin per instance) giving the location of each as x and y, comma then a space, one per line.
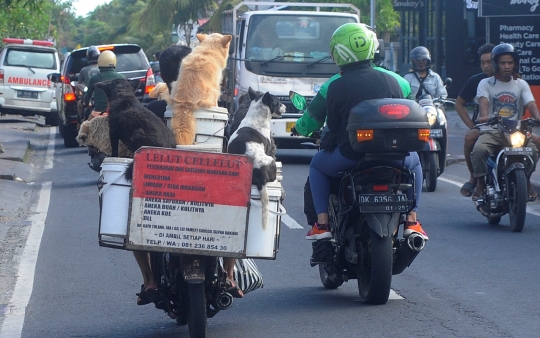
294, 132
483, 119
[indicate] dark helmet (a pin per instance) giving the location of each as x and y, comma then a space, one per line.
502, 49
420, 53
92, 54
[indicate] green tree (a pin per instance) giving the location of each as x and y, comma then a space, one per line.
166, 13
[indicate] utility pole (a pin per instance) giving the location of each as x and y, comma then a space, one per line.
372, 14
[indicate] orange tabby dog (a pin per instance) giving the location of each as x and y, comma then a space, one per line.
198, 84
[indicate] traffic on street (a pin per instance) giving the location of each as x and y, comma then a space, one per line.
472, 279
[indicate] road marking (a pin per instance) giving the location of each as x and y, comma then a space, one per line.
290, 222
16, 309
50, 149
394, 295
530, 209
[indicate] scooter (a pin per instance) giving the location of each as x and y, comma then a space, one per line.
368, 203
433, 156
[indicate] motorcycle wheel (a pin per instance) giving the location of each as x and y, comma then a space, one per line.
197, 318
326, 281
431, 172
374, 266
517, 200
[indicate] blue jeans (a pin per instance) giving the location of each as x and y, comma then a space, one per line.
325, 165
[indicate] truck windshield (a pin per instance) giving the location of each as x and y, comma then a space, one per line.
298, 38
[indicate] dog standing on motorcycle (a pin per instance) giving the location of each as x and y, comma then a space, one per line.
506, 95
358, 82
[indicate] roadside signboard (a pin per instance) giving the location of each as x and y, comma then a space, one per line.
189, 202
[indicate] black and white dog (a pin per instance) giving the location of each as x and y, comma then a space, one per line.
252, 138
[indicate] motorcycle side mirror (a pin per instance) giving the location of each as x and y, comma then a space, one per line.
448, 82
298, 101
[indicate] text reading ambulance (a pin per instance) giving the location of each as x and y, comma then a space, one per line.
24, 85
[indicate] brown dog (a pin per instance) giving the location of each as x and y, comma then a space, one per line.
198, 84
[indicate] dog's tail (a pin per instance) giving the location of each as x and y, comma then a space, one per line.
128, 174
183, 122
264, 202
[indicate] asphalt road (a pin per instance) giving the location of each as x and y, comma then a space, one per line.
471, 280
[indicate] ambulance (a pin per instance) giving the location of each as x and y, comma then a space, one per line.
25, 88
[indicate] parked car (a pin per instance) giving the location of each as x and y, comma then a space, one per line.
131, 61
24, 86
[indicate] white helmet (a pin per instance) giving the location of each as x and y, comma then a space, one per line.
107, 59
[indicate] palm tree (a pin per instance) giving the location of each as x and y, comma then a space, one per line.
165, 13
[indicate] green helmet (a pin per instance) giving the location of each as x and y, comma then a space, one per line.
352, 42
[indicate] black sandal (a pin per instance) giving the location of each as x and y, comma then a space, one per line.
233, 289
147, 295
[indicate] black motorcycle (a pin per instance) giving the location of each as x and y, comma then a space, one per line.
506, 183
368, 203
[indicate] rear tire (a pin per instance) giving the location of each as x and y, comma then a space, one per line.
197, 317
517, 199
52, 119
70, 134
431, 172
374, 267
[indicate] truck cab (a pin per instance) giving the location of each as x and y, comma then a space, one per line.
278, 50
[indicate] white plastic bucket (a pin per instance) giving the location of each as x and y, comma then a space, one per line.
264, 243
210, 125
114, 197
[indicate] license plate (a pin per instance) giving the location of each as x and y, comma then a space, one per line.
26, 94
289, 125
527, 151
436, 133
383, 203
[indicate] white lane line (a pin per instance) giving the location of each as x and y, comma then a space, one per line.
290, 222
530, 209
50, 149
394, 295
15, 311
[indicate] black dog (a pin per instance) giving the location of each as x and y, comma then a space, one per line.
131, 123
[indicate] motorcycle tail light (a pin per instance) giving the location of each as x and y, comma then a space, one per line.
69, 97
423, 135
381, 187
394, 111
517, 139
364, 135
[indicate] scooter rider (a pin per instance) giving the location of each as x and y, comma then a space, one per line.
107, 71
422, 79
313, 120
358, 82
506, 95
92, 54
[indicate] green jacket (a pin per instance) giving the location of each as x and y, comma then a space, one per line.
100, 98
314, 116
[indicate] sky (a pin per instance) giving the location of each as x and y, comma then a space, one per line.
83, 7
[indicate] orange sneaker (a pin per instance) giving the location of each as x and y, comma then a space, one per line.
411, 227
319, 231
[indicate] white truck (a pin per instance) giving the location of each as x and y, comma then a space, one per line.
298, 59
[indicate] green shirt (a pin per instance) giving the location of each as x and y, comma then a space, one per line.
314, 116
100, 98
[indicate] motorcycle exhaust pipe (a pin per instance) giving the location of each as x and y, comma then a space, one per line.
407, 252
224, 301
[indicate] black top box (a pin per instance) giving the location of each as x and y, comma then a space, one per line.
395, 124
